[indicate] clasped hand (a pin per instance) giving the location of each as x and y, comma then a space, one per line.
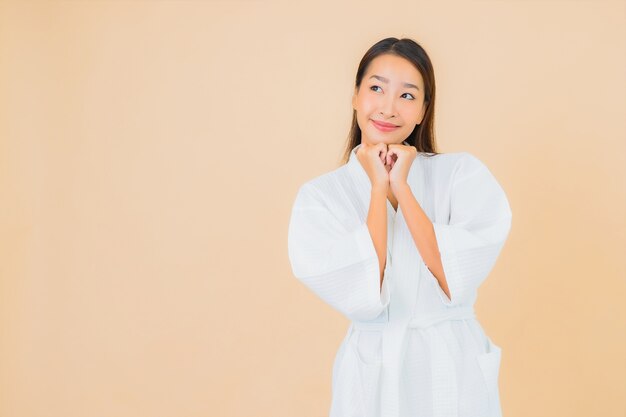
387, 165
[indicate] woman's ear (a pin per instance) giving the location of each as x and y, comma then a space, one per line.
354, 97
424, 107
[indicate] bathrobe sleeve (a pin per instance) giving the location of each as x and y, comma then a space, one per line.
480, 220
338, 263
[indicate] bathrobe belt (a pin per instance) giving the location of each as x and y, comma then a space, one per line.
444, 380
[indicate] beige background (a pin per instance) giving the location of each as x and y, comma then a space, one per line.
150, 153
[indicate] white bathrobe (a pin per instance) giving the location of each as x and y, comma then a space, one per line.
410, 351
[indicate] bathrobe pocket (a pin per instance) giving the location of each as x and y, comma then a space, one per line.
356, 392
489, 363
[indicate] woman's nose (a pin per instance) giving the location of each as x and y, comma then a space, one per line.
387, 107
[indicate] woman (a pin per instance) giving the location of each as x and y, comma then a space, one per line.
398, 240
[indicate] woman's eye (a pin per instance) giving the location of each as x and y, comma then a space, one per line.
376, 86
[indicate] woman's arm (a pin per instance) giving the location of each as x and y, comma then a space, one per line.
423, 234
336, 259
377, 225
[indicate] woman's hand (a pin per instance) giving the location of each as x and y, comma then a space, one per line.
399, 158
372, 158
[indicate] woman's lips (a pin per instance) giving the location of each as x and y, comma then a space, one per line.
384, 127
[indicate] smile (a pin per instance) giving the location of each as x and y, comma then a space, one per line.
384, 127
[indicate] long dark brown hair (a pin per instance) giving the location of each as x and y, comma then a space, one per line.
423, 136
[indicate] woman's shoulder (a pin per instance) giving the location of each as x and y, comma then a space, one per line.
325, 184
460, 162
454, 167
447, 156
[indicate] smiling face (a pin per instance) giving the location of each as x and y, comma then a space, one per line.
391, 92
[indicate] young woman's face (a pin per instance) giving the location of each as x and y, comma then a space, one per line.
384, 97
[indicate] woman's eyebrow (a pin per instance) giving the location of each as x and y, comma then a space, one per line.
385, 80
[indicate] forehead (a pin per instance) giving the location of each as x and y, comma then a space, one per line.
395, 68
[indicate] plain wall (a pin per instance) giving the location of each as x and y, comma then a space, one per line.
150, 152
